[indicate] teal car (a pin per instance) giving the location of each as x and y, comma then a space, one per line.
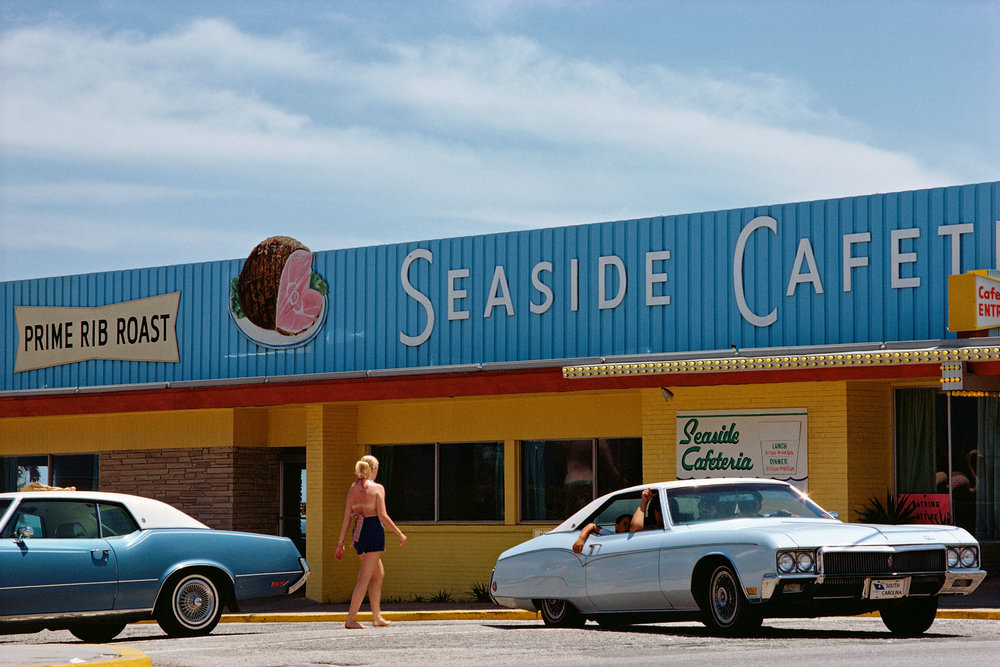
90, 562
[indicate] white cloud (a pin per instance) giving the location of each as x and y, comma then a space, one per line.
493, 134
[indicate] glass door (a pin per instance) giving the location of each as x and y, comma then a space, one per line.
292, 521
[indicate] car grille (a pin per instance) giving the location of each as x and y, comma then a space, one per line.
883, 562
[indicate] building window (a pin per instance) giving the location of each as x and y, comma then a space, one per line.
558, 477
455, 481
947, 448
78, 470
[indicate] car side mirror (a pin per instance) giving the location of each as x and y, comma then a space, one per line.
834, 514
23, 532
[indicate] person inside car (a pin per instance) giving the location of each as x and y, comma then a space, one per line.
640, 520
622, 525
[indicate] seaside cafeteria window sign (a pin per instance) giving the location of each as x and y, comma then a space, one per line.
138, 330
744, 443
278, 301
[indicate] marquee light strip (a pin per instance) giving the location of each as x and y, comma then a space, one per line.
784, 362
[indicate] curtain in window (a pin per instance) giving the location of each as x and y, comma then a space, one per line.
533, 481
988, 469
9, 480
915, 431
498, 477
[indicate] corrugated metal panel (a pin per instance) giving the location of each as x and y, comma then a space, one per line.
368, 308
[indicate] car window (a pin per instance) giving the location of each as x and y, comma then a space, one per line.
607, 513
738, 501
116, 520
55, 519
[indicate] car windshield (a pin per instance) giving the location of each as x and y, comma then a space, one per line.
697, 504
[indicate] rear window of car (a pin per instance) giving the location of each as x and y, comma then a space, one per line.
116, 520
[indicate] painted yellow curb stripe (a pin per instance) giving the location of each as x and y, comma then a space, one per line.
127, 657
970, 614
340, 617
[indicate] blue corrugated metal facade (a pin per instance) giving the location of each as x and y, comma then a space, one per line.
369, 309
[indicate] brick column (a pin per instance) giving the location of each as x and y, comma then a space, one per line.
331, 449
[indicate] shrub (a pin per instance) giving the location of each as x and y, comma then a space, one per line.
895, 510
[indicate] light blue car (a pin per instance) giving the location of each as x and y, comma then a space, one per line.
729, 553
90, 562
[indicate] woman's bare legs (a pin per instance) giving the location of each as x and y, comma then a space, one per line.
370, 562
375, 595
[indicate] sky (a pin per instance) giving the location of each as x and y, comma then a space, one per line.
138, 134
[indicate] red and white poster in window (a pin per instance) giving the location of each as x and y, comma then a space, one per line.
929, 507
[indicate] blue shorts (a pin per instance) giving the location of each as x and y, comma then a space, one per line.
372, 536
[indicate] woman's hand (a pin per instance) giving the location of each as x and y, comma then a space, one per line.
339, 555
402, 539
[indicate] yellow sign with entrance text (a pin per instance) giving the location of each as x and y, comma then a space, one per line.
974, 301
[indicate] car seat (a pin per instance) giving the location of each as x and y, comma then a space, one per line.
69, 530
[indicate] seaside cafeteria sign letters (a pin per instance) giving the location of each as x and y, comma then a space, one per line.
139, 330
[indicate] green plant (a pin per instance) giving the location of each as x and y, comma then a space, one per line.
480, 592
894, 510
441, 596
417, 597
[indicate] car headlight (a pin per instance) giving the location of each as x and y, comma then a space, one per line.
786, 562
796, 562
962, 557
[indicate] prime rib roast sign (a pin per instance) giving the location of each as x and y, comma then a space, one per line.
278, 300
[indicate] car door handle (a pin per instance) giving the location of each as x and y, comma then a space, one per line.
103, 554
594, 548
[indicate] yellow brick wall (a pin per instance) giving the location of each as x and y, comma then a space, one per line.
98, 433
243, 427
869, 443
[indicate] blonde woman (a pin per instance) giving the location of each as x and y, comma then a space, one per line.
366, 505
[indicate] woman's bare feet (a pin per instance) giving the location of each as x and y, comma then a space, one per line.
354, 625
380, 622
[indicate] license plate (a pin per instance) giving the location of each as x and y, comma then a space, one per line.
886, 589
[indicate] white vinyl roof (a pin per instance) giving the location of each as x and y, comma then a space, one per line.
148, 512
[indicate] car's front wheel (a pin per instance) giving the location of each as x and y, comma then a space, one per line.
727, 610
96, 633
561, 614
191, 606
910, 617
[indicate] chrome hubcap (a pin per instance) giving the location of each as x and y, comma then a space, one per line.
195, 603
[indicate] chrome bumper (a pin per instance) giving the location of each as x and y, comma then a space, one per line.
956, 582
302, 581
